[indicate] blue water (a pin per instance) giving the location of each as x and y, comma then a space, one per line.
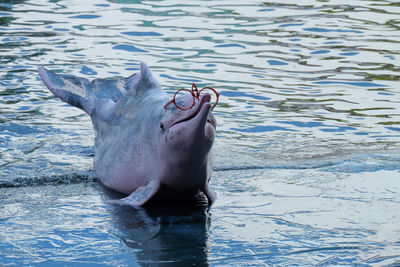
307, 162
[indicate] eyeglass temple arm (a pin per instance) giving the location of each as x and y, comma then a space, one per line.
169, 102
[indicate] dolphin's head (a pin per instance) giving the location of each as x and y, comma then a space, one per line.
186, 138
192, 127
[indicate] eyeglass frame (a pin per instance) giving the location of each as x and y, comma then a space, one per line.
195, 94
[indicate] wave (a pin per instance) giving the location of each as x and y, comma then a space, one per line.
344, 164
49, 180
341, 164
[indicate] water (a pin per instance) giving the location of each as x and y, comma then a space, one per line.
307, 166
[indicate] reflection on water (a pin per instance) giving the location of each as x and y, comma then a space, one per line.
74, 224
168, 240
309, 100
172, 234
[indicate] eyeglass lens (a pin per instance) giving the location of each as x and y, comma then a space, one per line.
185, 99
212, 92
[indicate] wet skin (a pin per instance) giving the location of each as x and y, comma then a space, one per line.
141, 144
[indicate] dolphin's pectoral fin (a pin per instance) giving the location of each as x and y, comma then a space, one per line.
140, 196
211, 195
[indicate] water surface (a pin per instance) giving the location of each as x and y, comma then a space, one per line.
307, 168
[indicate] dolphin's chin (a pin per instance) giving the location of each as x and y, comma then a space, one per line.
209, 130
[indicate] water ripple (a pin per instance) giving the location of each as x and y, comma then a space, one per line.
309, 94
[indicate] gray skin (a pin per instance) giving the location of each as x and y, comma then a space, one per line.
140, 144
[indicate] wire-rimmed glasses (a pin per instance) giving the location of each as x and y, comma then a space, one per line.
195, 94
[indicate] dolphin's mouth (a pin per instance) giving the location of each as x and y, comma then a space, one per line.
205, 99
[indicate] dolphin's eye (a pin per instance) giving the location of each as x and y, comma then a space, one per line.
162, 126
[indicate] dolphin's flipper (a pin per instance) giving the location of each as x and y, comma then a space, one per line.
211, 196
140, 196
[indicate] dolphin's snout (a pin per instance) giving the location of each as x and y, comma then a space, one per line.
206, 98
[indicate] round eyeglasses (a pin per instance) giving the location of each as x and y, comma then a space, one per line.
196, 94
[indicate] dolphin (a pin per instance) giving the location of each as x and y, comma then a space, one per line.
142, 143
